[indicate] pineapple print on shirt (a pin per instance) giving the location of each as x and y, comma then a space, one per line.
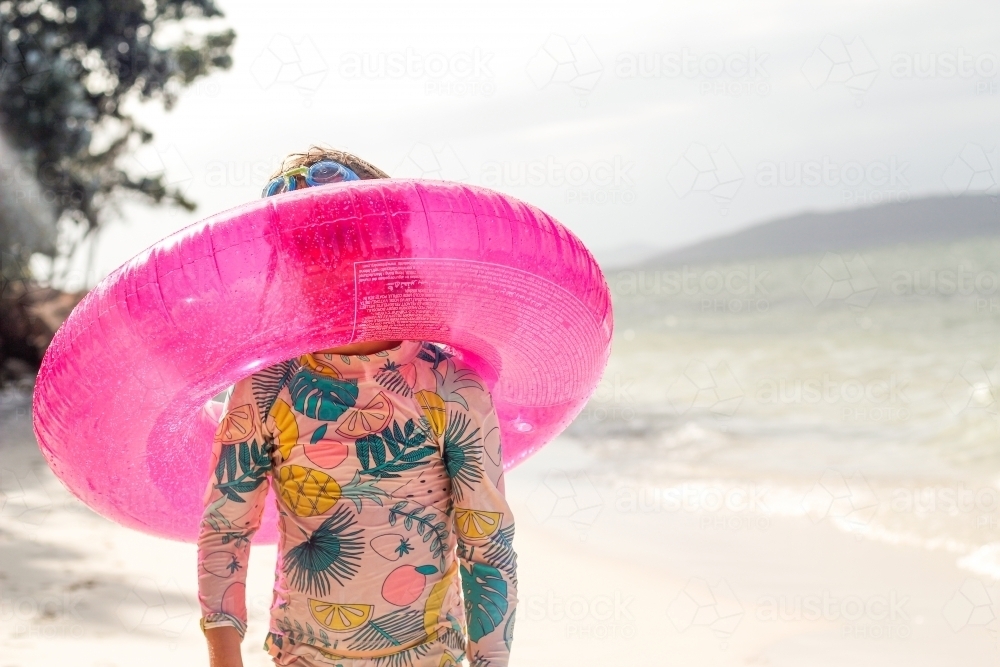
396, 540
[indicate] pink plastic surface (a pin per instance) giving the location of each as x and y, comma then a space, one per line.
122, 403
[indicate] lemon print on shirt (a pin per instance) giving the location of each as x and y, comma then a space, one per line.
435, 601
433, 407
286, 426
340, 617
476, 524
320, 363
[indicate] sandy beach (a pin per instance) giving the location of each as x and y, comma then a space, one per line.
610, 574
772, 230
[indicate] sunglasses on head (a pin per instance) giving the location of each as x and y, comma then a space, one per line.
320, 173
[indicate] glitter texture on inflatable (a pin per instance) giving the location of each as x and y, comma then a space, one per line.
123, 408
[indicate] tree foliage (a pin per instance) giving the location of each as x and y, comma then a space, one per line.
68, 68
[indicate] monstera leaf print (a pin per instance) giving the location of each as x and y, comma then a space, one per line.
485, 599
321, 396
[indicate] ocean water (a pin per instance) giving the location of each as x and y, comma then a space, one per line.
858, 388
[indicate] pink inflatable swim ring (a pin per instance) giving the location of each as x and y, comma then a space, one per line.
123, 408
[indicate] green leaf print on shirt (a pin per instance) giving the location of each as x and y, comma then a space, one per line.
404, 446
498, 552
396, 628
318, 434
391, 377
321, 396
267, 383
462, 455
434, 533
485, 599
404, 547
356, 491
331, 551
241, 469
293, 629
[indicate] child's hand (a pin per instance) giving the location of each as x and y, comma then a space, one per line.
224, 647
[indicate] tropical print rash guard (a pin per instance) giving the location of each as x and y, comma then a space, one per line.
395, 538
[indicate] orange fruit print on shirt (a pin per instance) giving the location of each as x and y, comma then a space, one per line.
405, 584
234, 600
326, 453
369, 419
237, 425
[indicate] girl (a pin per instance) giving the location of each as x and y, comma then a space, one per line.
385, 460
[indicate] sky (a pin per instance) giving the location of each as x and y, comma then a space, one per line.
642, 126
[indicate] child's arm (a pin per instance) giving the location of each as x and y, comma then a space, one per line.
224, 647
485, 527
234, 503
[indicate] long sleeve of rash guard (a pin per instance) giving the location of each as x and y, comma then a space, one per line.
485, 527
234, 503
